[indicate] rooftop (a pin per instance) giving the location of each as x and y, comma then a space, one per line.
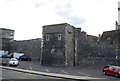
6, 29
58, 24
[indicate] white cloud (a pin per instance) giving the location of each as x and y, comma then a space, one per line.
28, 16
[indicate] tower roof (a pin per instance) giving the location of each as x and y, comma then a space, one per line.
6, 29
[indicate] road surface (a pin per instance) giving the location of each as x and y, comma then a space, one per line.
9, 75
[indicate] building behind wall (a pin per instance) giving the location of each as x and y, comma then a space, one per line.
6, 35
111, 37
31, 48
58, 47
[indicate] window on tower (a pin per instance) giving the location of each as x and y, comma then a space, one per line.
108, 38
47, 37
59, 36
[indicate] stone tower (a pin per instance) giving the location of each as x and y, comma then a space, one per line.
58, 47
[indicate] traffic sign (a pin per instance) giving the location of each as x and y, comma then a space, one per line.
117, 57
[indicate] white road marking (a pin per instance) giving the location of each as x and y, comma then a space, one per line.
47, 70
84, 74
64, 72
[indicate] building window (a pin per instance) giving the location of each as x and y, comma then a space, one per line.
59, 36
47, 37
11, 33
108, 38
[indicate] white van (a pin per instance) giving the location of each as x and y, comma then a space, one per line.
3, 53
16, 55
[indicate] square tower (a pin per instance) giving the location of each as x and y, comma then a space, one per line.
6, 35
58, 45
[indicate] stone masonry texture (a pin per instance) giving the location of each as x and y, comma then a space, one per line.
31, 48
66, 45
58, 45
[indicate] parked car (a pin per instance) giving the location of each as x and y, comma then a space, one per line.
13, 62
24, 58
113, 70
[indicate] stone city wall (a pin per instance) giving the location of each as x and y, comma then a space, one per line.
32, 48
86, 51
94, 53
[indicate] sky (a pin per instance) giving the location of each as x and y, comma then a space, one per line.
27, 17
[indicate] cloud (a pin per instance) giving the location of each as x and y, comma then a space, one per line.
37, 4
76, 20
65, 11
31, 15
9, 1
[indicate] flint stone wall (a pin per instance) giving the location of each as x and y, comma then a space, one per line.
31, 48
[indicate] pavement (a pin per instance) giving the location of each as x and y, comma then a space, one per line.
80, 72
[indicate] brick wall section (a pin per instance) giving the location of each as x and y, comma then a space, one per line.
85, 51
70, 45
93, 53
53, 50
32, 48
57, 52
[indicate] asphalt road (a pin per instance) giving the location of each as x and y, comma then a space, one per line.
80, 71
9, 75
